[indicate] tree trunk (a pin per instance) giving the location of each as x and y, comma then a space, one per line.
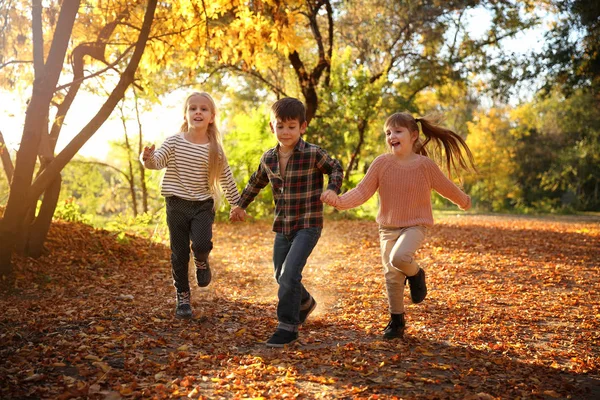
38, 231
6, 161
141, 168
309, 81
36, 116
362, 127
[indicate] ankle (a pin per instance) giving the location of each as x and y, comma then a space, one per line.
398, 318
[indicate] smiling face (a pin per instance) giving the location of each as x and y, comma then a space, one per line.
199, 113
288, 132
401, 140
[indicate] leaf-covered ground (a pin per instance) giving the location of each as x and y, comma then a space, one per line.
513, 311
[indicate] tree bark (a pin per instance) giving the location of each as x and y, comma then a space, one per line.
20, 199
38, 231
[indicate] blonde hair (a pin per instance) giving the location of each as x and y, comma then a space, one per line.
216, 154
452, 144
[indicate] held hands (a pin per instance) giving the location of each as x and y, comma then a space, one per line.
148, 151
237, 214
329, 197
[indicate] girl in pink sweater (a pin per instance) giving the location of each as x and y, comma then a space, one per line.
405, 179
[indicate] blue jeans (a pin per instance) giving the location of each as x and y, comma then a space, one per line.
290, 253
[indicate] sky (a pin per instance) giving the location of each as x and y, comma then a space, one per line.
157, 123
164, 119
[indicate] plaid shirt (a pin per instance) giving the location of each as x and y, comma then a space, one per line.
297, 195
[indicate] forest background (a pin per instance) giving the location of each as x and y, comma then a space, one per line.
108, 70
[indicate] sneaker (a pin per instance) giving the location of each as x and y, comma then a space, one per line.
304, 313
395, 328
203, 275
184, 309
418, 288
281, 337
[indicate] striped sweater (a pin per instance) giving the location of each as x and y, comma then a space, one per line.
187, 170
404, 191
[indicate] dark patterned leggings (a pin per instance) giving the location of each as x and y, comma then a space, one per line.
188, 221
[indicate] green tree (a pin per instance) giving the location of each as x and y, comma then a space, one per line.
557, 149
493, 187
244, 146
571, 57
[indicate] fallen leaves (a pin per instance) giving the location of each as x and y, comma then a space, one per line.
513, 311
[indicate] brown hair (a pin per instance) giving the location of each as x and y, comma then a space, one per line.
289, 108
216, 155
452, 144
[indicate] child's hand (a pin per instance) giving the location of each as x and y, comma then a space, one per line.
329, 197
237, 214
148, 151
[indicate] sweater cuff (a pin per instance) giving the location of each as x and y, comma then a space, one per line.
467, 204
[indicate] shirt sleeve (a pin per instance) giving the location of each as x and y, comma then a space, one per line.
256, 183
332, 168
161, 156
228, 184
445, 187
365, 189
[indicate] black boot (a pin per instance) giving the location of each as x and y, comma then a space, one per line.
418, 288
395, 328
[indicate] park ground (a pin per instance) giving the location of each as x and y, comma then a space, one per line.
513, 311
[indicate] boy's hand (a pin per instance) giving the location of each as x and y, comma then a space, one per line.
237, 214
147, 152
329, 197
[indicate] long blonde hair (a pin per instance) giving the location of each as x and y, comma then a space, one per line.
216, 154
451, 143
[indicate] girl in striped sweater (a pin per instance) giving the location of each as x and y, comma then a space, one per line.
197, 173
404, 179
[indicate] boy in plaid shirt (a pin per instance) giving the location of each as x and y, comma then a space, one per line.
295, 169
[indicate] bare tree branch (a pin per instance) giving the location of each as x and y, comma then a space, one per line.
16, 62
94, 74
103, 164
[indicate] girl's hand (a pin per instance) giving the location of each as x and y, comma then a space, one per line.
237, 214
329, 197
147, 153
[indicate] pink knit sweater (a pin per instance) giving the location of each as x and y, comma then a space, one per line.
404, 191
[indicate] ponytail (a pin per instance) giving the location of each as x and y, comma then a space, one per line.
444, 139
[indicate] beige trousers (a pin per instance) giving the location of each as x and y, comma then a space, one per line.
398, 247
